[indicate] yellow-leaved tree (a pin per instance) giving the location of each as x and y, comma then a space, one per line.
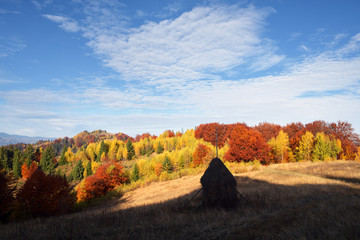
280, 149
306, 146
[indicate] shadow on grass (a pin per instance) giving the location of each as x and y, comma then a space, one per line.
304, 211
343, 179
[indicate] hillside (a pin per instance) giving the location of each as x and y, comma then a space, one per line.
287, 201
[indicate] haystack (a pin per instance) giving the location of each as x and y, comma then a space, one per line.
219, 186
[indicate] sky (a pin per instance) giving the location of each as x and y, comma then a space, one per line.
138, 66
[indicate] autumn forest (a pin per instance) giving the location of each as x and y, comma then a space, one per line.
67, 174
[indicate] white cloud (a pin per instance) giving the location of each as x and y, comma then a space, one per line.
304, 48
199, 44
65, 23
185, 71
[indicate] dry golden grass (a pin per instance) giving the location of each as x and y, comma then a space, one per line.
287, 201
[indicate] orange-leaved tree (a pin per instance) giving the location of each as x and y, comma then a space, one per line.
200, 154
158, 169
247, 144
107, 177
212, 131
26, 171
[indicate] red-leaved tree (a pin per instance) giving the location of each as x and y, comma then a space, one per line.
209, 131
247, 144
200, 154
268, 130
106, 178
45, 195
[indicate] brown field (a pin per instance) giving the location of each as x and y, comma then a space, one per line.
286, 201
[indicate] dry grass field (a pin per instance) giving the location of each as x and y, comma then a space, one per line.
286, 201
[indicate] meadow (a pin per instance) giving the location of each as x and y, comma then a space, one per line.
304, 200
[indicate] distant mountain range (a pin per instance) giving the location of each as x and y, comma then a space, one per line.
7, 139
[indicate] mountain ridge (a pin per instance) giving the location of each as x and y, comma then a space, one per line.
7, 139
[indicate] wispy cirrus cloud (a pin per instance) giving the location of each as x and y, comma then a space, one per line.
199, 44
10, 46
65, 23
40, 4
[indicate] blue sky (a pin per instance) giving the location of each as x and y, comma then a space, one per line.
148, 66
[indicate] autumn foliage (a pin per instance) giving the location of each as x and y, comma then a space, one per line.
200, 154
208, 133
268, 130
26, 171
158, 169
106, 178
45, 195
247, 144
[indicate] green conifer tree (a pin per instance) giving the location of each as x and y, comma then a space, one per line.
88, 169
130, 150
17, 163
101, 151
167, 166
135, 173
5, 158
29, 155
159, 149
78, 171
62, 160
47, 160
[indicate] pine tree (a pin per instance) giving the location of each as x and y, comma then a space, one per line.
181, 161
78, 171
159, 149
5, 159
101, 151
135, 173
29, 155
17, 163
47, 161
62, 160
88, 169
130, 150
167, 166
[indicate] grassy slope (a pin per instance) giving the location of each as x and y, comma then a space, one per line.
287, 201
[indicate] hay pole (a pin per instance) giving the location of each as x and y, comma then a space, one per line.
243, 197
188, 201
216, 141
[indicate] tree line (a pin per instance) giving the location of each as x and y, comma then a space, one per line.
98, 162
